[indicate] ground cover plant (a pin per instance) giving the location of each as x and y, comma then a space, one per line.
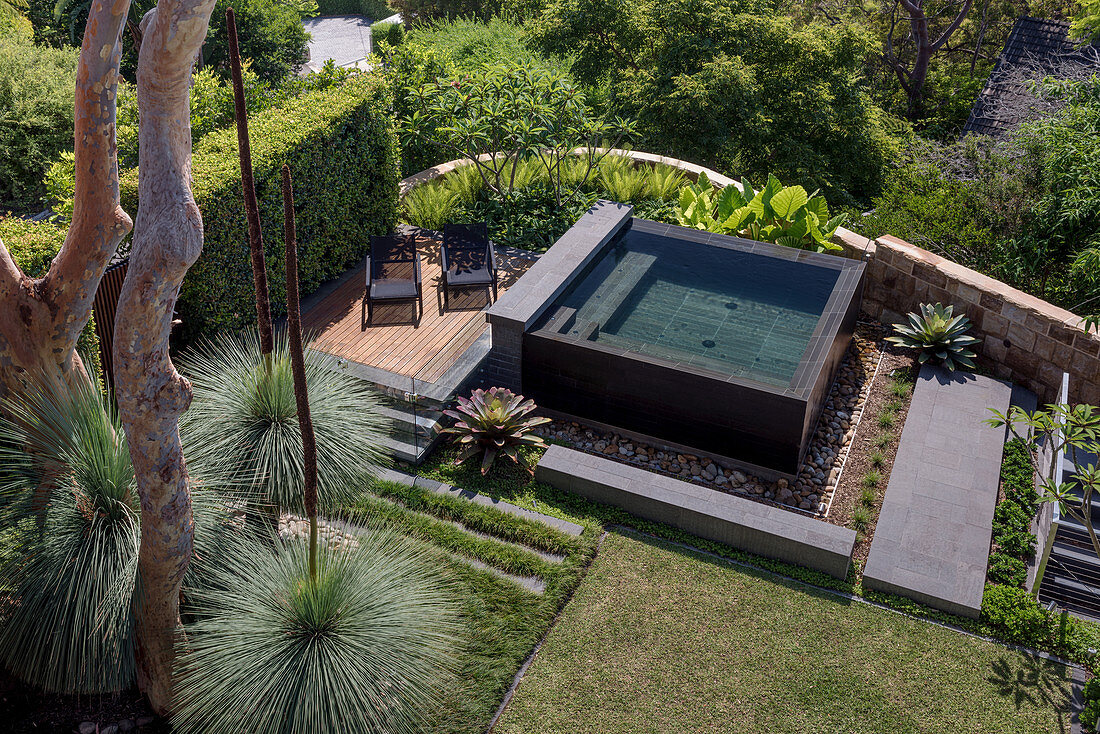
1013, 542
654, 628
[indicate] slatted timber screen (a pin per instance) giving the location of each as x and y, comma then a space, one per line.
104, 307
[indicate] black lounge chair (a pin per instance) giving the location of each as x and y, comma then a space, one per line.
393, 274
467, 259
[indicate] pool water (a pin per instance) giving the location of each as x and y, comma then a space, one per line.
718, 308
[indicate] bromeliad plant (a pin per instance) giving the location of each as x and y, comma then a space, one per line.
494, 422
939, 335
785, 215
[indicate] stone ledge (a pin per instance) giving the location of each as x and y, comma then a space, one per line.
741, 523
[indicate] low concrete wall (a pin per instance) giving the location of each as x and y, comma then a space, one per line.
707, 513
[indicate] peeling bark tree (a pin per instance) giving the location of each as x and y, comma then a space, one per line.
41, 319
913, 77
151, 393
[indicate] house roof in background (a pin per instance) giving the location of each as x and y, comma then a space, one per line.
1034, 42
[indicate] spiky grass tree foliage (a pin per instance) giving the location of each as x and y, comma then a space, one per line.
67, 487
245, 421
366, 648
64, 464
939, 335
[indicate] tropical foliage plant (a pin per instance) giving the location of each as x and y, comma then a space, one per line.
939, 335
785, 215
494, 422
503, 114
244, 420
429, 206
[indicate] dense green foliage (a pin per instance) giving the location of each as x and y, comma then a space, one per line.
1025, 210
341, 146
271, 37
786, 215
733, 86
36, 114
1012, 538
1091, 696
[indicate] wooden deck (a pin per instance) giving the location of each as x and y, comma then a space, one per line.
392, 342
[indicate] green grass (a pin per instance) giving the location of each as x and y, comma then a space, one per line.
886, 419
877, 458
871, 479
503, 621
867, 497
883, 440
660, 639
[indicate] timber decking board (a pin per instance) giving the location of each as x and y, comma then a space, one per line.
392, 342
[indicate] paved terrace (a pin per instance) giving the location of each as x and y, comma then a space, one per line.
334, 318
931, 543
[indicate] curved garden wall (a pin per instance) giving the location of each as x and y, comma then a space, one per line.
1027, 340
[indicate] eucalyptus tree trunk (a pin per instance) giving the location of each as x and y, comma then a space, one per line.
41, 319
151, 393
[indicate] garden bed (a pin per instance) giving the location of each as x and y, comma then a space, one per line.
813, 490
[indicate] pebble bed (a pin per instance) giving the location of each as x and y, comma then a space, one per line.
336, 533
816, 481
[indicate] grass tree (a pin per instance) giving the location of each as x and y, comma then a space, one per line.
298, 637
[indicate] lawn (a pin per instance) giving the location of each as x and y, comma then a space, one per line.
661, 639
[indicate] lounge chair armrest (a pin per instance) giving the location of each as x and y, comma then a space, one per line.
443, 261
492, 256
370, 273
417, 268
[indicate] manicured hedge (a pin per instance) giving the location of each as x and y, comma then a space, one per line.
343, 153
33, 246
1012, 537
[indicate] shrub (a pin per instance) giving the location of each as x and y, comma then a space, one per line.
1007, 570
36, 97
373, 9
271, 37
1015, 615
429, 206
533, 113
786, 215
341, 146
1091, 712
939, 335
391, 33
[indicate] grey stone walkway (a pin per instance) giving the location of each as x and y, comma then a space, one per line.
343, 38
565, 526
931, 543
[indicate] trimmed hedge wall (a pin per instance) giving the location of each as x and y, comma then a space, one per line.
343, 153
33, 246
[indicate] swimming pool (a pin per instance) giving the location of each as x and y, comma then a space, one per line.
695, 339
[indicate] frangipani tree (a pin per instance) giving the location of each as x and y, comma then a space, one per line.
1050, 432
503, 114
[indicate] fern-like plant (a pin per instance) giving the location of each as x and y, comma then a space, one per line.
939, 335
466, 183
244, 421
493, 422
623, 183
429, 206
664, 183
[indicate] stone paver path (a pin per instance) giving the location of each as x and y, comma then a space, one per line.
343, 38
931, 543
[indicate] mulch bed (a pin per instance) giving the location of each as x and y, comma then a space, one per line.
846, 497
23, 709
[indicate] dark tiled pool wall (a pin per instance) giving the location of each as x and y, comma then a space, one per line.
751, 423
